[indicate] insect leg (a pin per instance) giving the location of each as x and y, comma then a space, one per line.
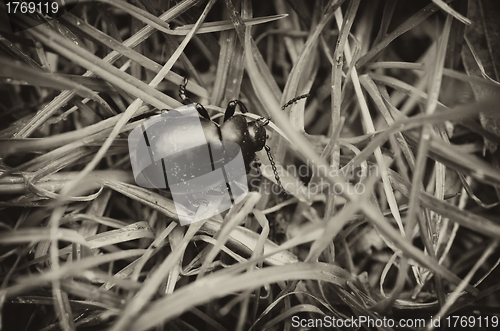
231, 108
185, 100
182, 92
202, 111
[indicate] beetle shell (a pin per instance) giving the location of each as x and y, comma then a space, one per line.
185, 156
186, 153
182, 151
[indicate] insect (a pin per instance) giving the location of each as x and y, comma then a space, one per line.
250, 136
203, 164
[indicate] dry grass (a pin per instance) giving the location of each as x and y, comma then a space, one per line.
392, 212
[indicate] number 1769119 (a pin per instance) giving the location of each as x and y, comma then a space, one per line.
15, 7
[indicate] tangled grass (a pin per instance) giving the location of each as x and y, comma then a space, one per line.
391, 166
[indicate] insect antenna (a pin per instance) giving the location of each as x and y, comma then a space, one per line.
268, 149
275, 170
294, 100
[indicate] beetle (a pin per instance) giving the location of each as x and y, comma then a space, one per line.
191, 156
203, 164
250, 136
